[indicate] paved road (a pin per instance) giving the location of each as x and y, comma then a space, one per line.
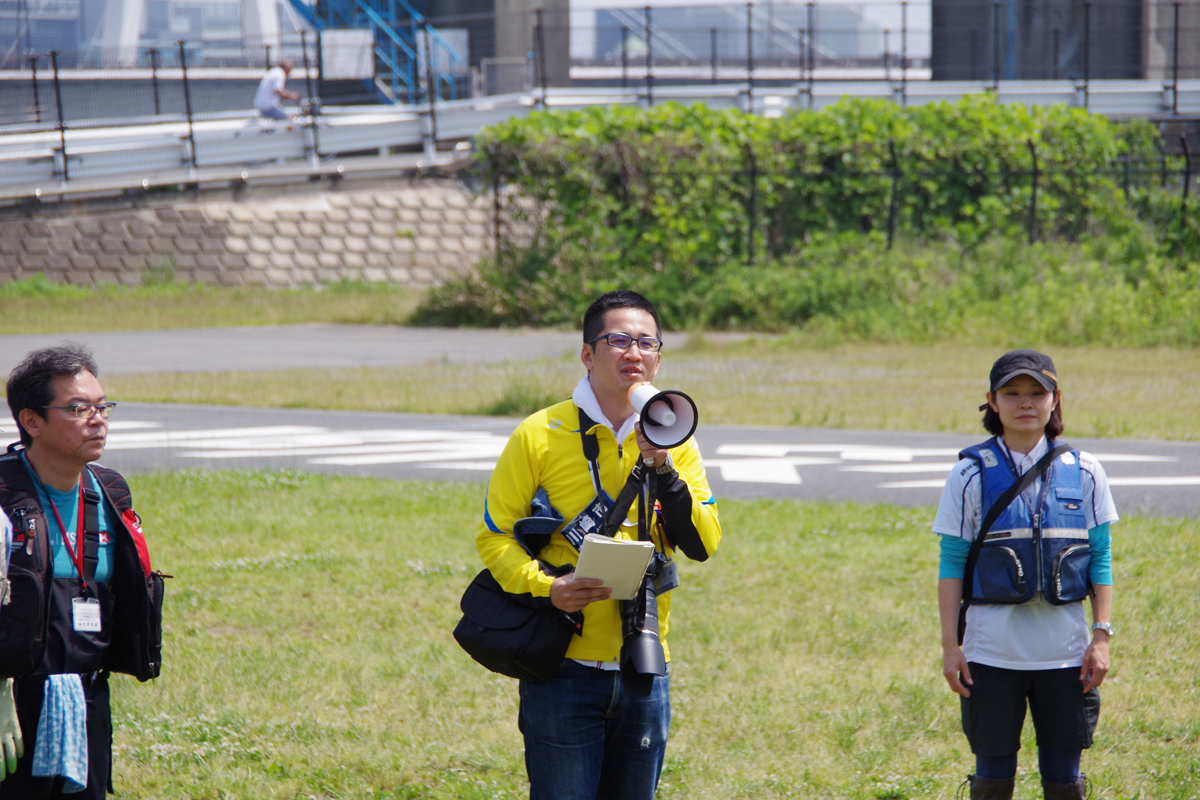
746, 462
1159, 478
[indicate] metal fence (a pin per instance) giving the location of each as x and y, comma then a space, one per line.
153, 84
894, 196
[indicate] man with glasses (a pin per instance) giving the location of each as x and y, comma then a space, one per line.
587, 734
83, 599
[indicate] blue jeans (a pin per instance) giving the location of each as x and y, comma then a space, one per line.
275, 112
585, 739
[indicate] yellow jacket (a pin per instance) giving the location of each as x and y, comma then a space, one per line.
546, 451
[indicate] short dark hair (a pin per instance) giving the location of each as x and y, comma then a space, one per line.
593, 318
1054, 426
29, 382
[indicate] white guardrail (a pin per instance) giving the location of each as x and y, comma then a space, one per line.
235, 144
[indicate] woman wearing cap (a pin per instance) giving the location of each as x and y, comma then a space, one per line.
1027, 638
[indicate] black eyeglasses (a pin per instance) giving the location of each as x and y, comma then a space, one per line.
623, 340
87, 410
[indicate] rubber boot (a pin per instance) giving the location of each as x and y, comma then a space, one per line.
1066, 791
989, 788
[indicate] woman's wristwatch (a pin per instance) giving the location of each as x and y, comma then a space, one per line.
1103, 626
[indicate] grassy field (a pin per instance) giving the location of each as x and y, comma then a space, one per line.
37, 306
308, 654
1109, 392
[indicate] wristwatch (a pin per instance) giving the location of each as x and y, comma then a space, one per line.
1103, 626
668, 466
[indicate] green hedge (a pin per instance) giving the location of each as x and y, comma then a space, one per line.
732, 220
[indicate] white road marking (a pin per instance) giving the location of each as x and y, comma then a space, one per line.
929, 484
846, 452
478, 466
131, 425
478, 450
1112, 458
1172, 480
894, 469
159, 439
1166, 480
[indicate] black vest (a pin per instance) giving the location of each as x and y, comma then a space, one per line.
130, 641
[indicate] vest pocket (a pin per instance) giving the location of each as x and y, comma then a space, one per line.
1069, 574
22, 640
999, 576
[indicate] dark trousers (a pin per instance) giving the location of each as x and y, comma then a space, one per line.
21, 785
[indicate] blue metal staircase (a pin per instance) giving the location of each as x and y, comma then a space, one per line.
402, 36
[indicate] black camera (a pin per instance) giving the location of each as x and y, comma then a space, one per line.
642, 657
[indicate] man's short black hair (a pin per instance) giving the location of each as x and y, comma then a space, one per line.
29, 382
593, 318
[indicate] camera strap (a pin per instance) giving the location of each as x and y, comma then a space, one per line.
634, 485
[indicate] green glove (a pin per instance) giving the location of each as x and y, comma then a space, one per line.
12, 746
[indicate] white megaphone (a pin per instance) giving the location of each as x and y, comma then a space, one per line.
668, 418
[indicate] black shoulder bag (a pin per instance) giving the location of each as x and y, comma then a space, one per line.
1005, 500
522, 636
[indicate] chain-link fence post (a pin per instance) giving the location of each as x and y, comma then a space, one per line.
1087, 54
752, 203
892, 201
62, 128
812, 55
1187, 178
1054, 53
37, 102
750, 56
314, 103
1033, 193
712, 46
154, 79
187, 100
996, 46
624, 57
649, 59
904, 55
1175, 64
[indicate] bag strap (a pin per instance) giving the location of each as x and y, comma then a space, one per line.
994, 512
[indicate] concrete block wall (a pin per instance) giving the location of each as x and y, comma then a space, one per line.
419, 233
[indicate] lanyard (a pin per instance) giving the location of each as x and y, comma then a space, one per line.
77, 556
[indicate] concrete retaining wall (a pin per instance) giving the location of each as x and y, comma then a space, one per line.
420, 233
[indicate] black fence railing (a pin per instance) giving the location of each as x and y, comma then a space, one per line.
901, 193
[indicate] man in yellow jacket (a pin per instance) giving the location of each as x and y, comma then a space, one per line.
588, 737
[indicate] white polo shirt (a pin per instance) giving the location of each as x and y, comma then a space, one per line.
1033, 635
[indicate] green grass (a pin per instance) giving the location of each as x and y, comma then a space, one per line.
1109, 392
34, 305
308, 654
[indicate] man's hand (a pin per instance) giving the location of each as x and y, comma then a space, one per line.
954, 664
12, 746
649, 451
569, 593
1095, 661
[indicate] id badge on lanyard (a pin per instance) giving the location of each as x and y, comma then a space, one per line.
85, 614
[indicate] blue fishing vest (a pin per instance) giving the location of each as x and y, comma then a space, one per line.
1027, 552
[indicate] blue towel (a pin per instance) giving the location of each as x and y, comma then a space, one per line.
62, 747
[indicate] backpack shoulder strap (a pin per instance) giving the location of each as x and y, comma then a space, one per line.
114, 486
